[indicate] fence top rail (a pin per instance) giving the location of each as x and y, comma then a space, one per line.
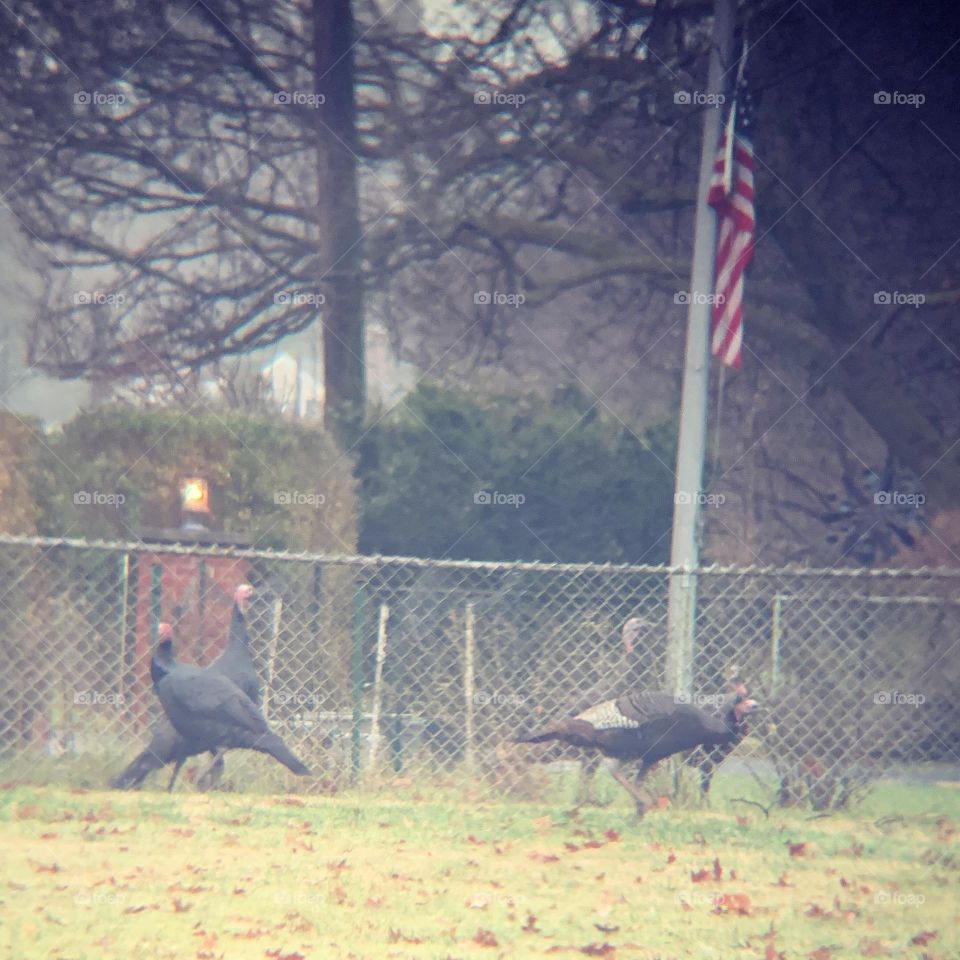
356, 560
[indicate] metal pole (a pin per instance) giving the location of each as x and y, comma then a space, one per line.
469, 697
156, 602
691, 442
375, 733
124, 608
776, 633
356, 678
272, 654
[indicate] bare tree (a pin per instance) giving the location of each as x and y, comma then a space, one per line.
551, 157
190, 172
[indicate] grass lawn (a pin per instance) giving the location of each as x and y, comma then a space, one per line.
98, 874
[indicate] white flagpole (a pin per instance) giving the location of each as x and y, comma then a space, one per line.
691, 442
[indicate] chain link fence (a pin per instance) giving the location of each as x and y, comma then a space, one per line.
380, 671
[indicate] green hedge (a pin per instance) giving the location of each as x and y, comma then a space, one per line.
573, 485
116, 470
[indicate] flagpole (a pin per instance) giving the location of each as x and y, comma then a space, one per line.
691, 441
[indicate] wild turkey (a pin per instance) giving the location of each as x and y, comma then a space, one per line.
647, 727
166, 746
617, 680
210, 712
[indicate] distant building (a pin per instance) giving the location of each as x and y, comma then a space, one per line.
291, 370
25, 391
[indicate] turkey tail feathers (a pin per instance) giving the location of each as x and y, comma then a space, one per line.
541, 736
570, 730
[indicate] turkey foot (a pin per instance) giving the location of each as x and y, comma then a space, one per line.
212, 773
634, 790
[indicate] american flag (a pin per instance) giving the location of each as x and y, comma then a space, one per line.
731, 195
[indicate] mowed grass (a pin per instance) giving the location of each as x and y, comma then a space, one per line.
404, 874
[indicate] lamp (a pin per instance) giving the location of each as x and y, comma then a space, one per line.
194, 499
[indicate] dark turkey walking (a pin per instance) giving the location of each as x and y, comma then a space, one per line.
166, 745
647, 727
210, 712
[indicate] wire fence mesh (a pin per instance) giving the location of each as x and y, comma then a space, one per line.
381, 670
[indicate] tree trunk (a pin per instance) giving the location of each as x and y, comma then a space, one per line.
338, 221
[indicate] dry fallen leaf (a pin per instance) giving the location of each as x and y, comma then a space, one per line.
544, 857
485, 938
733, 903
924, 937
872, 947
396, 936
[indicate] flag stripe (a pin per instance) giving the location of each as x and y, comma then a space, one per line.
735, 241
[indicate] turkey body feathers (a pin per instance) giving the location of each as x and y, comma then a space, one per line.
638, 726
212, 713
235, 662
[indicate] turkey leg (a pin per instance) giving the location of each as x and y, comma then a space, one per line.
217, 759
176, 769
633, 788
211, 777
586, 789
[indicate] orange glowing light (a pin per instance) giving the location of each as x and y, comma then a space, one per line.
195, 495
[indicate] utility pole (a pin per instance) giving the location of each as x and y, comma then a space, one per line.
691, 442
